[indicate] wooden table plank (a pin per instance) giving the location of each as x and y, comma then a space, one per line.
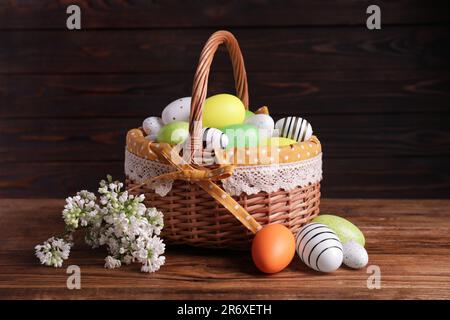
408, 239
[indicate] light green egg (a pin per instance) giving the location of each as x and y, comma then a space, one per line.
174, 133
344, 229
248, 114
242, 135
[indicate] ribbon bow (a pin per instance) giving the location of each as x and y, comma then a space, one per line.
191, 173
203, 177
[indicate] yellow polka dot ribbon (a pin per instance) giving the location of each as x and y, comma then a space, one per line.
203, 177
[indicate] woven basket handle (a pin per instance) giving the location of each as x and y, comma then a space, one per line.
200, 86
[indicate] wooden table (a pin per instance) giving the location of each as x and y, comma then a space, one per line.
408, 239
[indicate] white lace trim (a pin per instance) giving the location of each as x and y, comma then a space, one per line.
271, 178
140, 170
248, 179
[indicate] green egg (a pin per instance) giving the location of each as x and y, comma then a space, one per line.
344, 229
174, 133
248, 114
242, 135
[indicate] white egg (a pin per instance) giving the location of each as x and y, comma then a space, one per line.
319, 247
295, 128
177, 110
152, 125
214, 139
355, 256
263, 122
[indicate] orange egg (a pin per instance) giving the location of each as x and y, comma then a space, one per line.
273, 248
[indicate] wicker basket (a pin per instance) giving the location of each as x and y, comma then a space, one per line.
191, 215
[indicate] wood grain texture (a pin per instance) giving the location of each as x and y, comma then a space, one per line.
174, 50
194, 13
404, 177
345, 91
375, 98
408, 239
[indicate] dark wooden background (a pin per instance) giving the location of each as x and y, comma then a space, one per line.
378, 100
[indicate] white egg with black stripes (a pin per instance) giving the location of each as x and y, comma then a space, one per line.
295, 128
214, 139
319, 247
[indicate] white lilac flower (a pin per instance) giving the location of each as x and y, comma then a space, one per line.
148, 251
127, 259
118, 220
155, 218
153, 266
53, 252
111, 262
80, 210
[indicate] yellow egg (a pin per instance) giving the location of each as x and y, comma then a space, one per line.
280, 141
223, 110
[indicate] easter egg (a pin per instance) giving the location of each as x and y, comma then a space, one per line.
295, 128
223, 110
214, 139
280, 141
355, 256
248, 114
152, 125
174, 132
319, 247
263, 122
345, 230
273, 248
241, 135
177, 110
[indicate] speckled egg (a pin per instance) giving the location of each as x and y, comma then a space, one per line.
319, 247
355, 256
177, 110
152, 125
264, 123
